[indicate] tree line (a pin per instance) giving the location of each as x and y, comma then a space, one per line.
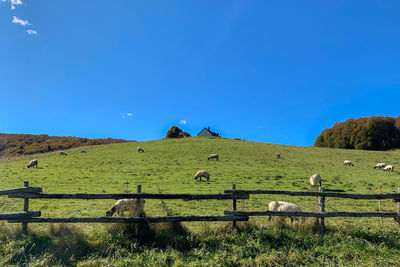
26, 144
368, 133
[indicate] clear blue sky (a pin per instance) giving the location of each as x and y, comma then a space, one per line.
271, 71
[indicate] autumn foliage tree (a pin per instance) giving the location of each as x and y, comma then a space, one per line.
370, 133
26, 144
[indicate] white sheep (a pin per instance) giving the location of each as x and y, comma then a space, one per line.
139, 149
134, 207
213, 156
283, 206
380, 165
63, 153
315, 179
348, 163
389, 168
278, 156
202, 173
32, 163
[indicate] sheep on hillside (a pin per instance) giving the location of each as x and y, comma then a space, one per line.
134, 207
283, 206
33, 163
213, 156
315, 179
83, 151
389, 168
202, 173
348, 163
380, 165
63, 153
139, 149
278, 155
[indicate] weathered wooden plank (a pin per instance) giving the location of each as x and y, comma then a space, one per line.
26, 208
141, 195
398, 209
20, 190
131, 219
312, 214
321, 209
395, 196
9, 216
234, 205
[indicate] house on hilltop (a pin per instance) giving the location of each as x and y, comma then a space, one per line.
208, 132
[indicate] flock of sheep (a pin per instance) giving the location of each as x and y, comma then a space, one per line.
382, 166
34, 162
135, 207
315, 180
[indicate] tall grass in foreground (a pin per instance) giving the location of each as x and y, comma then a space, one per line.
250, 244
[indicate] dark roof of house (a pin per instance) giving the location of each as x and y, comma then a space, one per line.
211, 132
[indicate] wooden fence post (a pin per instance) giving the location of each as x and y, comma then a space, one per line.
26, 207
321, 208
138, 225
234, 205
398, 207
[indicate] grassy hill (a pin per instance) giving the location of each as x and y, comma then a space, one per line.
169, 166
26, 144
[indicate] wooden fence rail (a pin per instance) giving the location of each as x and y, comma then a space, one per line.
20, 190
313, 214
21, 215
131, 219
220, 196
395, 196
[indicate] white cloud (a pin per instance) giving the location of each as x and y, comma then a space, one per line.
183, 122
125, 115
13, 3
31, 32
16, 2
20, 21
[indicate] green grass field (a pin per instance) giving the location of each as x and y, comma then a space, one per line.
169, 166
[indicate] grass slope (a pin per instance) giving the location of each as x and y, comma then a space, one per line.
169, 166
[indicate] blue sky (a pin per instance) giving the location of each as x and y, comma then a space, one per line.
270, 71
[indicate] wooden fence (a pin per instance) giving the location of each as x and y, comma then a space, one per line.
233, 215
321, 214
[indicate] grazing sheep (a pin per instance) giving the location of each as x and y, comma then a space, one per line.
380, 165
283, 206
139, 149
135, 207
213, 156
278, 156
389, 168
63, 153
348, 163
32, 163
202, 173
315, 179
83, 151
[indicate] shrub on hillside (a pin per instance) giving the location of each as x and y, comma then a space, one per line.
185, 134
174, 132
371, 133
